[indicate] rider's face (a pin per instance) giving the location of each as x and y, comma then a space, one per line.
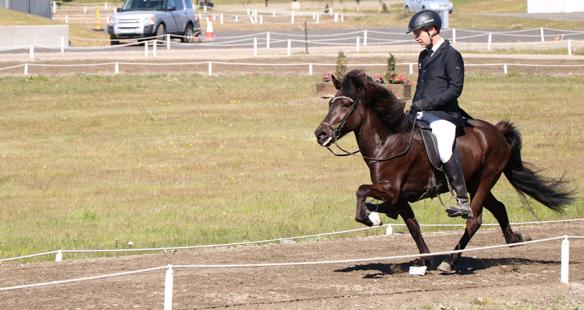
422, 37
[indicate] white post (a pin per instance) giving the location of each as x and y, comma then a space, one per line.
489, 40
273, 13
237, 18
261, 19
205, 8
289, 52
292, 18
66, 18
268, 40
146, 49
59, 256
117, 68
309, 69
565, 261
342, 18
411, 68
336, 17
388, 230
357, 43
541, 34
84, 10
62, 44
31, 53
453, 36
154, 48
105, 6
210, 72
505, 68
54, 7
570, 47
255, 46
221, 19
25, 69
365, 38
317, 18
168, 42
313, 16
168, 288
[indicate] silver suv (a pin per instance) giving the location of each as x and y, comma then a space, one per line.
147, 18
434, 5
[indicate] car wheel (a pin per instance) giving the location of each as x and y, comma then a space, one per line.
114, 40
188, 34
160, 32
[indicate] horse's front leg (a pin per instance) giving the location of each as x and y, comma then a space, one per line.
380, 191
406, 212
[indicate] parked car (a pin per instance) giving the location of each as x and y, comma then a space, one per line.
434, 5
148, 18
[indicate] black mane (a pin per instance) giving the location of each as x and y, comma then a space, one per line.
357, 84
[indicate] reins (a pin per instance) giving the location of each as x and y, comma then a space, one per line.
336, 132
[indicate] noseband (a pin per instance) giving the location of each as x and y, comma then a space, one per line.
337, 129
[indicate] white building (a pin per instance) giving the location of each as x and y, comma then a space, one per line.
555, 6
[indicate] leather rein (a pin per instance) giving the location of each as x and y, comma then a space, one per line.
337, 132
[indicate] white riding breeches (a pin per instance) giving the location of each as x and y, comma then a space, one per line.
444, 131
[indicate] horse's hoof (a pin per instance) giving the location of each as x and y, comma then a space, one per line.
365, 221
446, 268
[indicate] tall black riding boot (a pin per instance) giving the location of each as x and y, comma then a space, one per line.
453, 171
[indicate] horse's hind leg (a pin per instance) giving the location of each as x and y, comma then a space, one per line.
500, 213
406, 212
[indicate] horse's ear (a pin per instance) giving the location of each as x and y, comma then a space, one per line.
336, 82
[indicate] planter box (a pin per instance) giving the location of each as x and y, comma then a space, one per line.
402, 91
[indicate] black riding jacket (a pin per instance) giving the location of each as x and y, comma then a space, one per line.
440, 82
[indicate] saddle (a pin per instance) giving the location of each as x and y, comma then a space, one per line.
424, 133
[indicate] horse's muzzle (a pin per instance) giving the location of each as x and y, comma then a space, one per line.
324, 135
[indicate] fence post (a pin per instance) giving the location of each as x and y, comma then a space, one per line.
292, 18
59, 256
289, 51
309, 69
453, 36
168, 288
62, 44
505, 68
255, 46
389, 230
31, 53
569, 47
116, 68
25, 69
541, 34
268, 40
154, 47
168, 42
210, 71
221, 19
411, 68
317, 18
565, 262
357, 43
490, 40
66, 18
364, 37
146, 49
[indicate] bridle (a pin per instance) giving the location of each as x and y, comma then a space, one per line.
336, 130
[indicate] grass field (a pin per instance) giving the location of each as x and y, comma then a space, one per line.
165, 160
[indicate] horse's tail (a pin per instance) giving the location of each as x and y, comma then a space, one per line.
550, 192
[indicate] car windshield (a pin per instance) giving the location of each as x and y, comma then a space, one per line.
142, 5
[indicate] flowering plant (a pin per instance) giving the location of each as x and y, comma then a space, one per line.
379, 79
395, 78
327, 77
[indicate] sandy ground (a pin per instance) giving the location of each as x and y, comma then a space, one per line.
518, 277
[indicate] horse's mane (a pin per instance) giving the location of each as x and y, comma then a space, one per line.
386, 105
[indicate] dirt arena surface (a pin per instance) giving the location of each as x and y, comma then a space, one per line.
518, 277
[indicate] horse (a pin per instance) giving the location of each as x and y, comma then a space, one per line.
401, 173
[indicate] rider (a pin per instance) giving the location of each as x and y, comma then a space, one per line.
440, 81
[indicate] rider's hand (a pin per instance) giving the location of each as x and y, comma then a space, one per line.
421, 105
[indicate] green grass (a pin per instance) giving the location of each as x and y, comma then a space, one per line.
165, 160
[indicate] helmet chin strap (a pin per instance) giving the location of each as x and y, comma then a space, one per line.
431, 36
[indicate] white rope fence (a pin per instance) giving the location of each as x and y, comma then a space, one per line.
25, 68
169, 269
476, 39
388, 231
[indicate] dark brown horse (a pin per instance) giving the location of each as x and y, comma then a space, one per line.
401, 172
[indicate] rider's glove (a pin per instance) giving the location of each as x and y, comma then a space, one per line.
421, 105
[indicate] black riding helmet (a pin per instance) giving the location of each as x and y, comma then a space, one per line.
424, 20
